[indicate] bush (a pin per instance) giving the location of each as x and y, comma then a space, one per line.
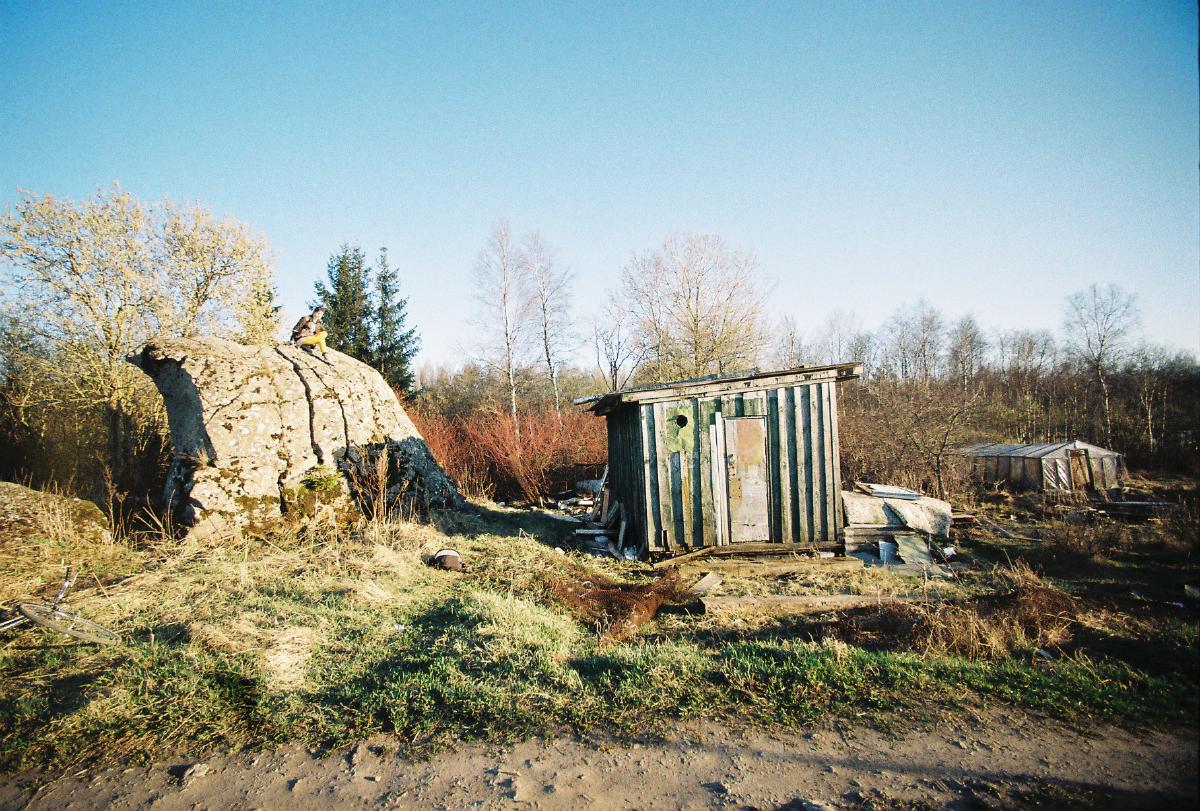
1084, 543
488, 456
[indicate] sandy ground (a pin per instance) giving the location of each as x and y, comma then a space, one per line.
1004, 759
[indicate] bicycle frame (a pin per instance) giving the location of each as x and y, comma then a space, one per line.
20, 619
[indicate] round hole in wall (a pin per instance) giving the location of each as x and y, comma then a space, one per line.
681, 420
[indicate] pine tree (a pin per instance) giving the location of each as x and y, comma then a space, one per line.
393, 346
347, 303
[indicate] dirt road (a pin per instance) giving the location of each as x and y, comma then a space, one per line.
999, 759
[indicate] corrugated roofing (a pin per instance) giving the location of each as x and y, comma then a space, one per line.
1035, 451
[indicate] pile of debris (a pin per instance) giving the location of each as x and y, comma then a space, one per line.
899, 528
591, 503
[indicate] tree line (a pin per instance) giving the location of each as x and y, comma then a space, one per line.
694, 306
86, 283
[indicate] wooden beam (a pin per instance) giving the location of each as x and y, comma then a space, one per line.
772, 568
705, 584
751, 549
807, 604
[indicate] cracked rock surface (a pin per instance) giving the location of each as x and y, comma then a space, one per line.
250, 424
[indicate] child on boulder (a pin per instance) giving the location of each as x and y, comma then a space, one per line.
310, 332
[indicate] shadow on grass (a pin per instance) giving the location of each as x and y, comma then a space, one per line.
478, 519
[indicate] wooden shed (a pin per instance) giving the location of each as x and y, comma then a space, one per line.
751, 457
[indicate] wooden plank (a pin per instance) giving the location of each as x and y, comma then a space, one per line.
708, 513
818, 464
806, 494
742, 549
676, 504
810, 604
838, 517
781, 513
650, 522
720, 482
699, 439
666, 538
827, 487
787, 410
754, 404
768, 548
771, 568
718, 388
695, 554
704, 585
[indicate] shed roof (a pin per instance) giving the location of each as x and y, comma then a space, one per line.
736, 382
1037, 451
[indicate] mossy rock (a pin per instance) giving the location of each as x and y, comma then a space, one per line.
26, 514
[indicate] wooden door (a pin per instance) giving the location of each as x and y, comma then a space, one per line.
747, 479
1081, 473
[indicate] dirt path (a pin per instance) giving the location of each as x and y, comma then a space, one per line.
1000, 759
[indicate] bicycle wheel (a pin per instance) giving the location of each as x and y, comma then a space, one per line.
67, 622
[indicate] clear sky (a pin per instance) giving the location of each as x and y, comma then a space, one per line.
990, 157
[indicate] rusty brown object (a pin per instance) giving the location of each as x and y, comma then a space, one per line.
617, 609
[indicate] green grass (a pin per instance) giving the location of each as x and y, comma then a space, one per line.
324, 639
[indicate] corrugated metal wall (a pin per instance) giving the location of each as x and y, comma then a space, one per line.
663, 471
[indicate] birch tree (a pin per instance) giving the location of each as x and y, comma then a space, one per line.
619, 349
1098, 325
503, 312
548, 284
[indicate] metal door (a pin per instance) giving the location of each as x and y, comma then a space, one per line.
747, 478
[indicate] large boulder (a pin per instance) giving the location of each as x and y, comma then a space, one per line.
261, 432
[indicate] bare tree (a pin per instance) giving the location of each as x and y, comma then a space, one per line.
789, 348
699, 306
1025, 355
503, 308
1098, 324
967, 351
836, 336
619, 349
549, 284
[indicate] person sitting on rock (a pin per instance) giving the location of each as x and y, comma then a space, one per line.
310, 332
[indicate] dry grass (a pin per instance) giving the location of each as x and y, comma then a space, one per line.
1024, 614
328, 634
1075, 544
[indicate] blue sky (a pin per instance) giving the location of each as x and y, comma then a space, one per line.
988, 157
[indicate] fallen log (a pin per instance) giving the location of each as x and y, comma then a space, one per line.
806, 604
752, 549
768, 568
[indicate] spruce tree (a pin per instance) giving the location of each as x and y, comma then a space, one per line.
347, 303
393, 346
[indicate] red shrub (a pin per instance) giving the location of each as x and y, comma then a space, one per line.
488, 456
461, 459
